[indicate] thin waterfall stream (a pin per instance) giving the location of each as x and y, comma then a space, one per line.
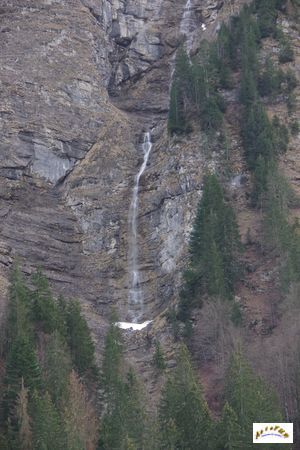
135, 297
187, 25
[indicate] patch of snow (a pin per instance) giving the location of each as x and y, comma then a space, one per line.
236, 181
133, 326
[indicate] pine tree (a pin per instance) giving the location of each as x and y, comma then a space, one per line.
79, 339
183, 413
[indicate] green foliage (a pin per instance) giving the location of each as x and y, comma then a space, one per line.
291, 81
56, 368
158, 358
295, 127
269, 82
214, 246
45, 311
236, 314
125, 418
47, 430
183, 414
79, 339
194, 93
112, 358
266, 17
180, 94
18, 323
228, 433
286, 53
172, 318
176, 121
21, 365
249, 397
280, 136
277, 197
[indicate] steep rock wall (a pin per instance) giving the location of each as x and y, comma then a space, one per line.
80, 81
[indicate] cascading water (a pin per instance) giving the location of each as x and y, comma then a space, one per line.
187, 25
135, 300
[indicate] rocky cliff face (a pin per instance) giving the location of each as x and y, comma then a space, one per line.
80, 82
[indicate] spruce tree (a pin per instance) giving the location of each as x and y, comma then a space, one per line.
214, 243
228, 433
45, 311
125, 418
19, 320
183, 413
267, 16
79, 339
47, 430
158, 358
250, 398
22, 366
56, 368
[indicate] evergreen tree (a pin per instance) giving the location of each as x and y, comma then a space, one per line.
47, 431
177, 120
158, 358
113, 426
214, 244
266, 16
136, 416
269, 82
278, 233
181, 92
228, 433
56, 368
45, 311
183, 413
21, 365
125, 418
249, 397
79, 339
18, 323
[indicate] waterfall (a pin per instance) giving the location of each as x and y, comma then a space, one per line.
135, 300
187, 25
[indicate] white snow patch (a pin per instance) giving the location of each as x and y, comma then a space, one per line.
133, 326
